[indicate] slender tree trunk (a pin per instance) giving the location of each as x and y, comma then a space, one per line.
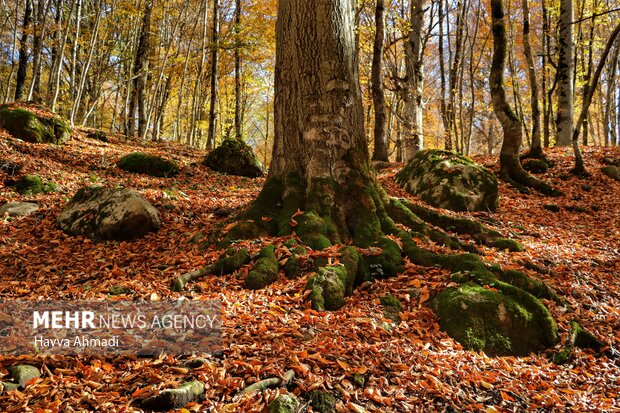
22, 66
442, 74
608, 131
510, 165
378, 94
140, 69
536, 146
214, 77
238, 112
579, 168
37, 48
565, 74
414, 53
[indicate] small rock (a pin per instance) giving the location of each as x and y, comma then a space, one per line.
151, 165
612, 171
535, 166
23, 373
234, 157
109, 214
284, 403
19, 209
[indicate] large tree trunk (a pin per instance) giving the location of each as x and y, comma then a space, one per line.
378, 94
22, 67
414, 53
510, 165
565, 74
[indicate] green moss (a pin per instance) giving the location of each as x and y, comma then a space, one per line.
231, 261
265, 270
148, 164
403, 215
234, 157
507, 244
391, 307
313, 230
504, 322
321, 401
26, 125
319, 262
388, 263
241, 231
284, 403
358, 380
29, 185
526, 283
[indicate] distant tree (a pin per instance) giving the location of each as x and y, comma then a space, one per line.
140, 70
510, 165
22, 66
566, 67
380, 152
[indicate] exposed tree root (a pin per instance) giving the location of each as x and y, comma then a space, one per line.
582, 338
175, 398
228, 263
269, 383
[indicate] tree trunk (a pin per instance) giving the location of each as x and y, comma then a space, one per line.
378, 94
22, 67
414, 53
608, 131
536, 146
565, 74
238, 117
442, 74
320, 160
213, 92
510, 165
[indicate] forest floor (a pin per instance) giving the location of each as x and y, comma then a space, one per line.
412, 366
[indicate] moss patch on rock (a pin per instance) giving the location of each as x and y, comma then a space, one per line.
447, 180
284, 403
321, 401
507, 244
391, 307
612, 171
234, 157
30, 127
265, 270
34, 185
493, 321
151, 165
388, 263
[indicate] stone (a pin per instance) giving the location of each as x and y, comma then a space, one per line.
151, 165
19, 209
284, 403
234, 157
23, 373
447, 180
30, 127
109, 214
612, 171
494, 321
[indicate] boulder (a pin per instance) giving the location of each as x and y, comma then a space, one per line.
109, 214
31, 127
612, 171
148, 164
497, 322
234, 157
19, 209
447, 180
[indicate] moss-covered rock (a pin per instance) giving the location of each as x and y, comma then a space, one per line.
612, 171
284, 403
34, 185
391, 307
507, 244
294, 264
495, 321
234, 157
191, 391
98, 135
388, 263
448, 180
321, 401
109, 214
142, 163
265, 270
535, 166
30, 127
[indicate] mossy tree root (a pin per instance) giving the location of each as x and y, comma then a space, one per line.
582, 338
481, 233
175, 398
230, 261
265, 269
523, 182
269, 383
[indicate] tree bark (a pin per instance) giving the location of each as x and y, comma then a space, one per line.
214, 63
510, 165
238, 117
22, 66
536, 146
414, 53
565, 72
380, 152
